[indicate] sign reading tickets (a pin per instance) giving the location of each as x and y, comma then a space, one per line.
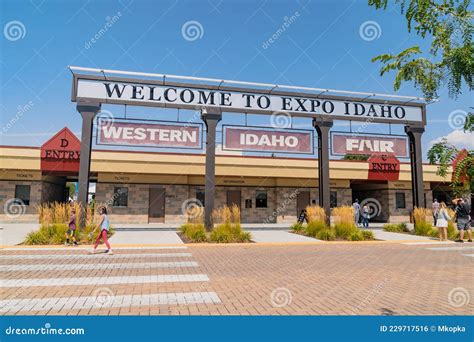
245, 138
156, 134
108, 91
345, 143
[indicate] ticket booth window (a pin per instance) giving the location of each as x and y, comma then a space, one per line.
22, 194
261, 199
120, 197
201, 199
400, 200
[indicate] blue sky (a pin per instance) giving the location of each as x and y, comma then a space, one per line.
322, 47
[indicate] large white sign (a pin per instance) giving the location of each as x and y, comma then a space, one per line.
169, 96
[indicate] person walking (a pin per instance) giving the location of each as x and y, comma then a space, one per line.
442, 218
103, 226
356, 207
434, 210
71, 232
463, 219
365, 216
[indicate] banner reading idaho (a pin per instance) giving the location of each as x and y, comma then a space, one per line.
245, 138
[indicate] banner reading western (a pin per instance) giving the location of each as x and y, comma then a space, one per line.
369, 144
245, 138
158, 134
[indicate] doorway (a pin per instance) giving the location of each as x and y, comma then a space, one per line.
156, 212
233, 197
302, 201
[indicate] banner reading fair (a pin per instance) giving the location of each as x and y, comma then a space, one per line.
259, 139
158, 134
369, 144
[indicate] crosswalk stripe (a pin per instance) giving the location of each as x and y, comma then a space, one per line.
111, 266
451, 249
91, 256
91, 302
71, 248
469, 255
105, 280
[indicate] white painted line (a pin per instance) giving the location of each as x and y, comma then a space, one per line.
111, 266
469, 255
428, 243
91, 256
91, 302
452, 249
161, 278
87, 248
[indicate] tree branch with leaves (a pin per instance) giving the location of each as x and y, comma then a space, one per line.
450, 59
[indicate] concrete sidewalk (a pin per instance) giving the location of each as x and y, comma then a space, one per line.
278, 236
144, 237
14, 233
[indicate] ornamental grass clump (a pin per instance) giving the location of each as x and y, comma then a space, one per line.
344, 215
195, 215
194, 232
316, 217
315, 213
396, 228
344, 224
228, 228
54, 219
422, 218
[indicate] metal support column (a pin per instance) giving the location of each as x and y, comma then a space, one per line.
88, 111
211, 118
416, 162
322, 128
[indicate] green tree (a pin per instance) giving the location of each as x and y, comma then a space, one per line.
359, 157
450, 60
462, 161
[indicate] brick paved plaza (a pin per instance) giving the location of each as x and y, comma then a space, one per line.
368, 278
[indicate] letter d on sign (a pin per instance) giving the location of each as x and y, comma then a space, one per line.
64, 143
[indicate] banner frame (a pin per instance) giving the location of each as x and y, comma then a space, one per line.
166, 122
331, 147
266, 128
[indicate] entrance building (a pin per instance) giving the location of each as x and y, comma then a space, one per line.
154, 187
143, 187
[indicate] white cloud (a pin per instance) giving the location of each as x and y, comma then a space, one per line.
458, 138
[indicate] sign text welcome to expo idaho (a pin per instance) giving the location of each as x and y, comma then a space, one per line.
190, 97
